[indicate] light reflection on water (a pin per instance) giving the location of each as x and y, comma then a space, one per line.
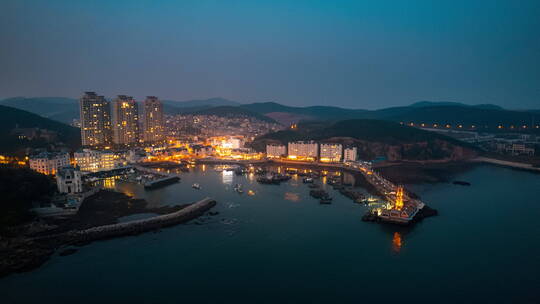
323, 251
227, 177
291, 196
397, 242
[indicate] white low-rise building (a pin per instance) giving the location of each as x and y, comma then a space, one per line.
48, 163
275, 150
331, 152
303, 150
94, 161
350, 154
68, 180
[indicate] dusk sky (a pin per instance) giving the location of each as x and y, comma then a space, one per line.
369, 54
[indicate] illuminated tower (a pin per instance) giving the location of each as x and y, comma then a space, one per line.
399, 198
95, 117
125, 121
153, 120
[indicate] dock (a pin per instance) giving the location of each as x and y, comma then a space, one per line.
162, 182
404, 208
158, 183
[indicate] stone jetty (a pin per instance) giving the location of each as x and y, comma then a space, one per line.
25, 254
137, 226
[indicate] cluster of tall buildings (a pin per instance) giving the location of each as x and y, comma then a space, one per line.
103, 124
311, 151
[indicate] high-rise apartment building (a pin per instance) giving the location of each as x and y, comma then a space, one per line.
153, 120
95, 121
125, 121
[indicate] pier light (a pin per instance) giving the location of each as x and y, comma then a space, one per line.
524, 126
500, 127
423, 124
411, 124
460, 126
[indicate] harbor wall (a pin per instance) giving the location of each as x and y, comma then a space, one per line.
135, 227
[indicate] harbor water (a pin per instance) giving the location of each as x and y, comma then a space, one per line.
276, 244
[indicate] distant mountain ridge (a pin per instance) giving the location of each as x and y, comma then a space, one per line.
215, 102
428, 112
452, 103
66, 109
57, 108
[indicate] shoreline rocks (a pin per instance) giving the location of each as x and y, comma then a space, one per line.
28, 253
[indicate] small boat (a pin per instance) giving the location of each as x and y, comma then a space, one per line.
196, 186
307, 180
238, 188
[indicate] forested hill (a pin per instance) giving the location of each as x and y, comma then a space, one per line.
376, 138
11, 118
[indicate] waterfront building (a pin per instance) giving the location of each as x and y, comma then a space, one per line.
331, 152
202, 151
350, 154
233, 143
95, 120
153, 120
230, 142
125, 121
303, 150
275, 150
94, 161
48, 163
68, 180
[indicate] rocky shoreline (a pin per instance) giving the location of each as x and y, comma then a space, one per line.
31, 249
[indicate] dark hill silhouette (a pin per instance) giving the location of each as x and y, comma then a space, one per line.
12, 117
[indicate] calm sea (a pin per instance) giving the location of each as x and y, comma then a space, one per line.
279, 245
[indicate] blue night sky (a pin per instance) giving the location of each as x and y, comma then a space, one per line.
368, 54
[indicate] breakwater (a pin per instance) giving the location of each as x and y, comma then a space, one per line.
133, 227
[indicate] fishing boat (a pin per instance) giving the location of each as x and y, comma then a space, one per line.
196, 186
238, 188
